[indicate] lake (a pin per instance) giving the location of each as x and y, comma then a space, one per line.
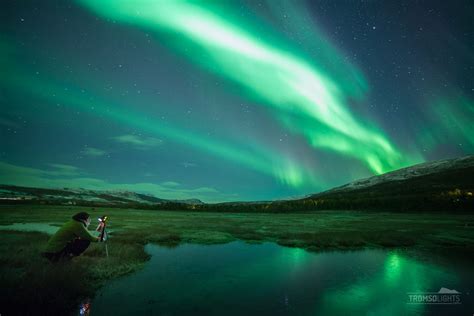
267, 279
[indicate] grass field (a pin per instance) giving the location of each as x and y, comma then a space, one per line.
30, 284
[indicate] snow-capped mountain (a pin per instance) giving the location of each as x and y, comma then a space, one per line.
78, 196
422, 169
444, 185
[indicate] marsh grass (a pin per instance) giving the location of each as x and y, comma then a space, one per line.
32, 285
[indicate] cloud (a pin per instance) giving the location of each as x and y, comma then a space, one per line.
93, 152
188, 164
62, 170
138, 141
205, 190
10, 173
170, 184
66, 176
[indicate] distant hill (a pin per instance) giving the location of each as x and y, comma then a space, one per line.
444, 185
435, 169
66, 196
447, 184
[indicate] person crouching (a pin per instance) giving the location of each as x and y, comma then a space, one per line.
71, 240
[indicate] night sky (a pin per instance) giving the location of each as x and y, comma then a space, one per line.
230, 100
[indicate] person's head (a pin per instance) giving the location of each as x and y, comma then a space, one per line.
83, 217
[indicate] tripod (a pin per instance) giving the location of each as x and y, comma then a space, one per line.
103, 233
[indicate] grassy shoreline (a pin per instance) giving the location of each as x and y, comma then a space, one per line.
32, 284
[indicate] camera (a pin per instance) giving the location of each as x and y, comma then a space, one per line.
101, 228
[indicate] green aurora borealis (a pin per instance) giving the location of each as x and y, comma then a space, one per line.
225, 105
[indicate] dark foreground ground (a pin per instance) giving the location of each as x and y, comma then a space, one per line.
31, 285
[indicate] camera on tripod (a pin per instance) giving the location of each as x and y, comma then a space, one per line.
101, 228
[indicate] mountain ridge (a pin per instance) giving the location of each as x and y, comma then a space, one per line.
421, 169
79, 196
446, 184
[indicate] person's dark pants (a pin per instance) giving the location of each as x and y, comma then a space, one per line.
72, 249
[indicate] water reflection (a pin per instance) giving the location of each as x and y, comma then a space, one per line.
385, 291
238, 278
